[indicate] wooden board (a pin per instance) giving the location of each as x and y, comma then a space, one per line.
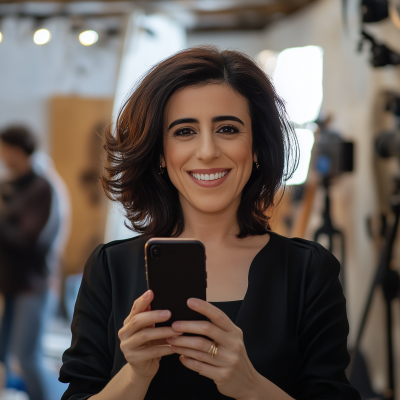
76, 131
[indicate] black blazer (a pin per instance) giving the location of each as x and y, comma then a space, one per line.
293, 319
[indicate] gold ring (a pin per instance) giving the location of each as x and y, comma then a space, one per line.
213, 350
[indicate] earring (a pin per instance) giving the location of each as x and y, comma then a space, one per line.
161, 169
257, 165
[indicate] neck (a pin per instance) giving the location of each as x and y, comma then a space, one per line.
211, 228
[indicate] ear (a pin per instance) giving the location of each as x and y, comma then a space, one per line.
255, 157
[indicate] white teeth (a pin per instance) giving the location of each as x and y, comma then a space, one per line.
209, 177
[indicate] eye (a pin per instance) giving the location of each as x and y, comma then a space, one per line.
227, 129
184, 132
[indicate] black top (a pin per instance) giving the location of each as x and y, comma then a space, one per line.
230, 308
293, 319
24, 211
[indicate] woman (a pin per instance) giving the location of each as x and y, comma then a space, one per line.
200, 150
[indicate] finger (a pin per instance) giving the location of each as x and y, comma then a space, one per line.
210, 371
193, 342
218, 317
199, 356
157, 342
148, 353
203, 328
147, 335
140, 304
145, 319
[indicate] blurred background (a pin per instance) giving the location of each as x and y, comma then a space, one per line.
66, 68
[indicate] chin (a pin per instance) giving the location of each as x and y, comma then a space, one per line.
211, 207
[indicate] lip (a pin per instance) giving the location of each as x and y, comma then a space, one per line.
209, 184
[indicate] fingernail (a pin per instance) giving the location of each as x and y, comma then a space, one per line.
146, 296
171, 339
165, 313
176, 325
193, 302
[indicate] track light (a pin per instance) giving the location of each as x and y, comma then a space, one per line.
87, 38
41, 36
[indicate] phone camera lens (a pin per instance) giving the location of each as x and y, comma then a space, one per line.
156, 252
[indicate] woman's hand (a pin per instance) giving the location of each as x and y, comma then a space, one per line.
143, 345
230, 369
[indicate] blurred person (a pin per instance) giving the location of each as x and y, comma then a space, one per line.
200, 150
58, 226
26, 235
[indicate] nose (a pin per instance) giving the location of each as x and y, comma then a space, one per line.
207, 147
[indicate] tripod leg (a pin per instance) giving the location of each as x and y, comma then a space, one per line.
390, 286
389, 324
383, 264
366, 309
342, 261
330, 248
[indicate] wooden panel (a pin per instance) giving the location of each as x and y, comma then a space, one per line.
76, 127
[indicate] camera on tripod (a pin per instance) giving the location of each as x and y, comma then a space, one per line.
387, 143
373, 11
334, 155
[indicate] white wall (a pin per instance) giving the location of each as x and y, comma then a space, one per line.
30, 74
351, 92
251, 42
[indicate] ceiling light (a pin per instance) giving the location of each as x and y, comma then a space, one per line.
88, 38
42, 36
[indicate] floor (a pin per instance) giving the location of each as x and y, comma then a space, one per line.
56, 339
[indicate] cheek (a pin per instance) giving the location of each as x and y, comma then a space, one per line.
176, 155
241, 154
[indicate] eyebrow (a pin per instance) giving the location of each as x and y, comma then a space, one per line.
219, 118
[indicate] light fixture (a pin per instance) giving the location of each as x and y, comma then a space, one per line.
41, 36
87, 38
298, 80
305, 138
1, 37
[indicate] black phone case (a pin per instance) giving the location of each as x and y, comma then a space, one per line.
176, 275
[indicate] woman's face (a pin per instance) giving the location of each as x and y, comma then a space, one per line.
208, 145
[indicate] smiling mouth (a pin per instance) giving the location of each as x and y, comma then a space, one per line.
209, 177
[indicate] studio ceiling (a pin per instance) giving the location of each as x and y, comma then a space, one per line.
196, 15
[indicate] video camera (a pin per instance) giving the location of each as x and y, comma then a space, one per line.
388, 142
334, 155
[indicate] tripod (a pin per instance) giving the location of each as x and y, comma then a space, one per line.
330, 231
389, 280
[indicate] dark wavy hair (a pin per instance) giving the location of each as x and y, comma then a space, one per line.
131, 172
19, 136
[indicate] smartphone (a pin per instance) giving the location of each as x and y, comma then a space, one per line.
175, 272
